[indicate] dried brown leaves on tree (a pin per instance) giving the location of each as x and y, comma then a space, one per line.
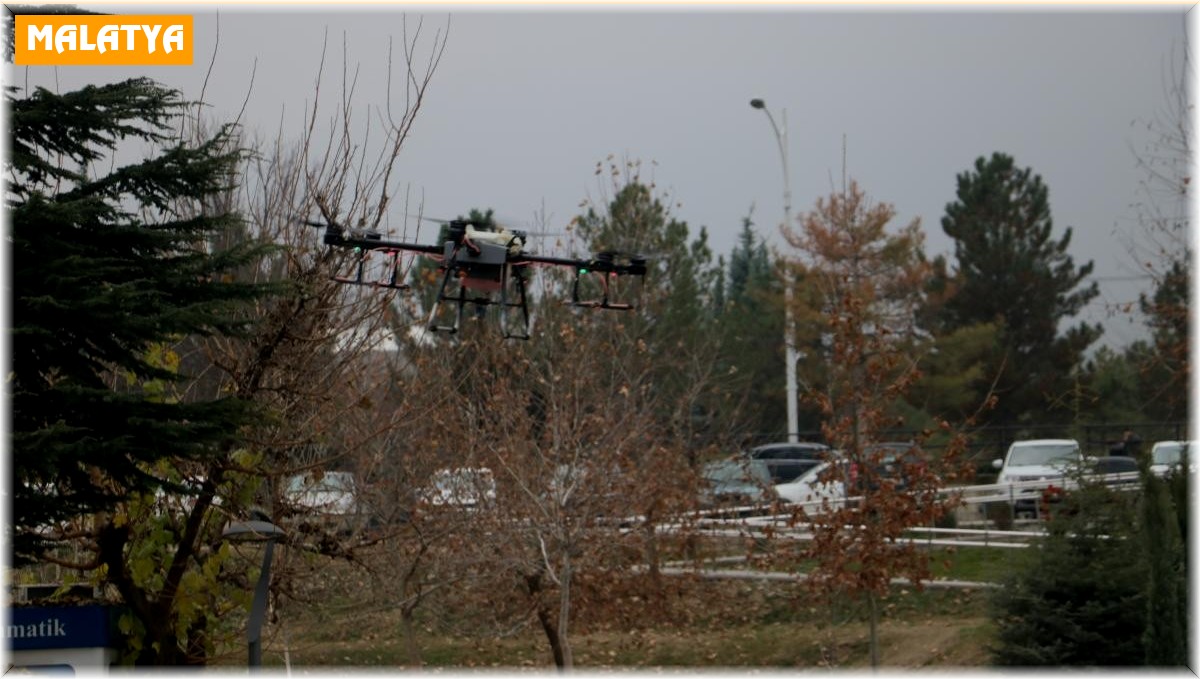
866, 284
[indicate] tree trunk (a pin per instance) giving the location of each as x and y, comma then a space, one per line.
533, 585
651, 546
873, 604
551, 636
564, 614
410, 636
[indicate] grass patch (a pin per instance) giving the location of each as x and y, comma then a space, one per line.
978, 564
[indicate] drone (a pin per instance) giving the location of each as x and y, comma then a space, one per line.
484, 265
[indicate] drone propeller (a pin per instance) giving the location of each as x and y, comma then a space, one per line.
627, 254
438, 220
434, 220
633, 262
335, 232
506, 225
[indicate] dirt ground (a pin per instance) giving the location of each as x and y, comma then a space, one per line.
935, 643
722, 627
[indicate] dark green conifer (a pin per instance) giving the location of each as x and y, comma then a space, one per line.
1081, 600
110, 259
1011, 270
1166, 635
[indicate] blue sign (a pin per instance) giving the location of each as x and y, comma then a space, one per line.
31, 628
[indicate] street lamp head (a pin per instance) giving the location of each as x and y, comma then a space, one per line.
758, 103
257, 529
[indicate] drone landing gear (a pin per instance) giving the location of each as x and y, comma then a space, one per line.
390, 281
603, 302
454, 277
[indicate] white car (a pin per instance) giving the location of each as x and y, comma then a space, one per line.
1168, 455
331, 493
815, 493
1038, 460
332, 500
462, 487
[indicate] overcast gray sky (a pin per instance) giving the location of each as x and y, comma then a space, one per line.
527, 100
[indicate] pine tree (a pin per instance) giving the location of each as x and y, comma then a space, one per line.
1081, 600
671, 326
1167, 369
109, 263
1011, 271
750, 321
1166, 635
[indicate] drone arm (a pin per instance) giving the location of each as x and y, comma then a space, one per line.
339, 238
636, 267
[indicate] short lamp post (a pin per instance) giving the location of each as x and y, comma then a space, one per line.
258, 529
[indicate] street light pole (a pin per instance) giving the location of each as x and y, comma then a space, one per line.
258, 529
789, 329
258, 610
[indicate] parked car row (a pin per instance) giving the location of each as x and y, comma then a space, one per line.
1045, 459
1036, 469
806, 473
336, 500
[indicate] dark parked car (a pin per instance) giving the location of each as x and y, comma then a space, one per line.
898, 460
787, 461
1116, 470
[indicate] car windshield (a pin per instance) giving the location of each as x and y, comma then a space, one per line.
784, 471
889, 452
1168, 453
1043, 454
737, 472
810, 476
458, 479
799, 451
331, 482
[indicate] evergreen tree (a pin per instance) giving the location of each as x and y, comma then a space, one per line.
109, 263
671, 329
750, 267
750, 322
1113, 386
1011, 271
1081, 600
1166, 635
1166, 370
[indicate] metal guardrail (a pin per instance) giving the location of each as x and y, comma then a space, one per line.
760, 522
